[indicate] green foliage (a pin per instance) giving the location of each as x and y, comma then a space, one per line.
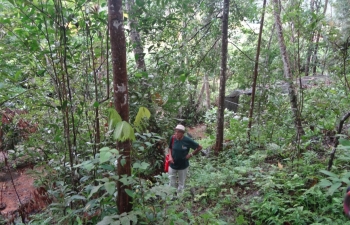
333, 182
142, 113
122, 130
53, 60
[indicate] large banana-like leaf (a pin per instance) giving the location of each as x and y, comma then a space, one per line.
142, 113
113, 118
123, 131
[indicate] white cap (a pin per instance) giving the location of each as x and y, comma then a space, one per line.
180, 127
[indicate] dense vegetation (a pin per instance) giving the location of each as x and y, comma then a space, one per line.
56, 84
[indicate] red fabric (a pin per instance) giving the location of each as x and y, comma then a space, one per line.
166, 164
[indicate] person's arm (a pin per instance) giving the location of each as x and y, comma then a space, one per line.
170, 151
171, 160
194, 152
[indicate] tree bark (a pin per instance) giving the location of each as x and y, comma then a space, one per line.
199, 101
287, 71
207, 91
135, 37
256, 67
220, 117
314, 58
120, 86
309, 49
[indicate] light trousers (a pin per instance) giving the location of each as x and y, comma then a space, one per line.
181, 175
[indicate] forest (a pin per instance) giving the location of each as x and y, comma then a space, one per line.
91, 91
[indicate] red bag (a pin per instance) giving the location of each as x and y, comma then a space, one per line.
166, 164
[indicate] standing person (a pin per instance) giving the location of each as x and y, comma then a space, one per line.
179, 148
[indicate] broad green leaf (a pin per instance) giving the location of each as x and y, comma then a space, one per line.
107, 167
344, 142
123, 132
110, 187
183, 77
345, 180
105, 156
94, 190
107, 220
105, 179
122, 162
127, 218
329, 173
347, 175
130, 193
76, 197
141, 166
138, 75
333, 188
115, 151
142, 113
88, 166
325, 183
113, 118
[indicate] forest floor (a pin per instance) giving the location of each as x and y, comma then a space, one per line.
17, 185
198, 131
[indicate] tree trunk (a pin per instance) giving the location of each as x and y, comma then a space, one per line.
314, 58
256, 67
309, 49
287, 71
135, 36
207, 91
340, 127
120, 86
199, 101
220, 117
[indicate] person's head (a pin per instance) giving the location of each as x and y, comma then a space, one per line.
179, 131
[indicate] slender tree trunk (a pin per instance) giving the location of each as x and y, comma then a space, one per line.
314, 58
256, 67
287, 71
207, 91
135, 36
199, 101
309, 49
120, 86
220, 117
340, 127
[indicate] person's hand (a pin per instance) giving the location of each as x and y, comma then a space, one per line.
188, 156
171, 160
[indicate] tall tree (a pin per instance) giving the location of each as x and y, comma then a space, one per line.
135, 36
256, 67
220, 117
120, 86
287, 71
314, 59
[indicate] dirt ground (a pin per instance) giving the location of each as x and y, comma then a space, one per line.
22, 184
197, 132
16, 187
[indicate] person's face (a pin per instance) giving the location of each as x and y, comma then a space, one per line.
179, 134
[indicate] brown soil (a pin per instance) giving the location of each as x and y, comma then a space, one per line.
16, 190
197, 132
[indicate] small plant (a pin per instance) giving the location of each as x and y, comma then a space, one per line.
333, 182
